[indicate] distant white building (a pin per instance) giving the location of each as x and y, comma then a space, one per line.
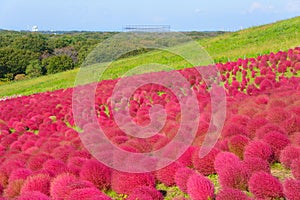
35, 29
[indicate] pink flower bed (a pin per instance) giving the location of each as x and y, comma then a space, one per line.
43, 157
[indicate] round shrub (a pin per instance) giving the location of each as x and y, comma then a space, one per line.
262, 131
75, 164
295, 167
255, 124
205, 165
20, 173
55, 167
231, 194
97, 173
225, 159
36, 161
125, 183
288, 154
259, 149
231, 171
33, 195
236, 145
88, 194
277, 141
265, 186
291, 189
59, 186
200, 188
166, 175
182, 175
145, 192
38, 182
256, 164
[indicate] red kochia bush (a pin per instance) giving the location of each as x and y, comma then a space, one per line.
33, 195
125, 183
237, 145
166, 175
288, 154
200, 188
145, 192
39, 182
182, 176
259, 149
36, 161
264, 185
55, 167
97, 173
292, 189
88, 194
20, 173
256, 164
59, 186
277, 141
75, 163
205, 165
231, 194
232, 172
296, 168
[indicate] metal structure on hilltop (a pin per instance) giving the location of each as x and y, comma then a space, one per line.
146, 28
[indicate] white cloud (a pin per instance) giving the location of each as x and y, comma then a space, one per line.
293, 5
257, 6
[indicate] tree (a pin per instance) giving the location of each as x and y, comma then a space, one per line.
14, 61
35, 69
59, 63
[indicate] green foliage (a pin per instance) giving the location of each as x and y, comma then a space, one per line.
35, 69
32, 42
14, 61
58, 63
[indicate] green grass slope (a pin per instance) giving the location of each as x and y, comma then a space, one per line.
250, 42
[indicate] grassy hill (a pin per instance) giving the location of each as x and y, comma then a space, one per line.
250, 42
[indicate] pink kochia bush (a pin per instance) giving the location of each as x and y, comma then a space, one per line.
97, 173
205, 165
277, 141
232, 172
34, 195
256, 164
259, 149
237, 145
231, 194
125, 183
88, 194
60, 186
288, 154
295, 167
265, 186
292, 189
182, 176
39, 182
145, 192
166, 175
200, 188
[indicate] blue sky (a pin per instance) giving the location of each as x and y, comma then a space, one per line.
111, 15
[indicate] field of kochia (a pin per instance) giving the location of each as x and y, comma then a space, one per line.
257, 155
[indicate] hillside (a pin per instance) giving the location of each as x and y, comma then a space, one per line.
250, 42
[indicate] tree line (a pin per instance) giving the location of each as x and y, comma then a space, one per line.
27, 54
